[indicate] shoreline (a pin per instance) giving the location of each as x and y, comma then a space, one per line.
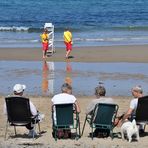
125, 53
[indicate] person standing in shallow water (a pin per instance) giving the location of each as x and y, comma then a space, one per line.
68, 42
45, 42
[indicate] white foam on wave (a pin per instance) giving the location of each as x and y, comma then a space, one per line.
115, 39
14, 28
139, 38
95, 39
18, 41
111, 39
34, 41
98, 39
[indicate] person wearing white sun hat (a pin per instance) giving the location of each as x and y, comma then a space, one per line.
18, 90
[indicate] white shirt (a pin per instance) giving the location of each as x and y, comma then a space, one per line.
133, 105
63, 98
33, 109
91, 106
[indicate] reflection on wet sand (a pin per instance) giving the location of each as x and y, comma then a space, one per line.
48, 78
68, 78
45, 78
122, 76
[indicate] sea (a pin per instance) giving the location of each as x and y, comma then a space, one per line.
92, 22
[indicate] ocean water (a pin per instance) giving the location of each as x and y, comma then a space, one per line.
93, 23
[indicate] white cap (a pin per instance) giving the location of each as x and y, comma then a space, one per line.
19, 88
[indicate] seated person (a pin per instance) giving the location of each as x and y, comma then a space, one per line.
100, 92
18, 90
137, 93
64, 98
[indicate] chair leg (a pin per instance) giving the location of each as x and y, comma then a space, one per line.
15, 130
92, 136
144, 127
34, 128
54, 131
76, 134
83, 126
111, 134
39, 128
79, 128
6, 129
55, 134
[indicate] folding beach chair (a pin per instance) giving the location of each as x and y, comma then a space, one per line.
65, 117
19, 114
142, 110
102, 118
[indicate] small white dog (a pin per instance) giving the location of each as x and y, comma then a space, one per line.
130, 129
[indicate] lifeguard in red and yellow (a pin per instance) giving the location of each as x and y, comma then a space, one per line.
68, 42
45, 42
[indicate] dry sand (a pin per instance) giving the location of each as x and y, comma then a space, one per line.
85, 54
46, 140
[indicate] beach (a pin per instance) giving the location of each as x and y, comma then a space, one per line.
129, 54
110, 47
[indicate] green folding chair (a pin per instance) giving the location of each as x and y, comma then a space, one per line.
65, 116
103, 117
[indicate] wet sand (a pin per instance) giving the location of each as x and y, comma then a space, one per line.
135, 53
